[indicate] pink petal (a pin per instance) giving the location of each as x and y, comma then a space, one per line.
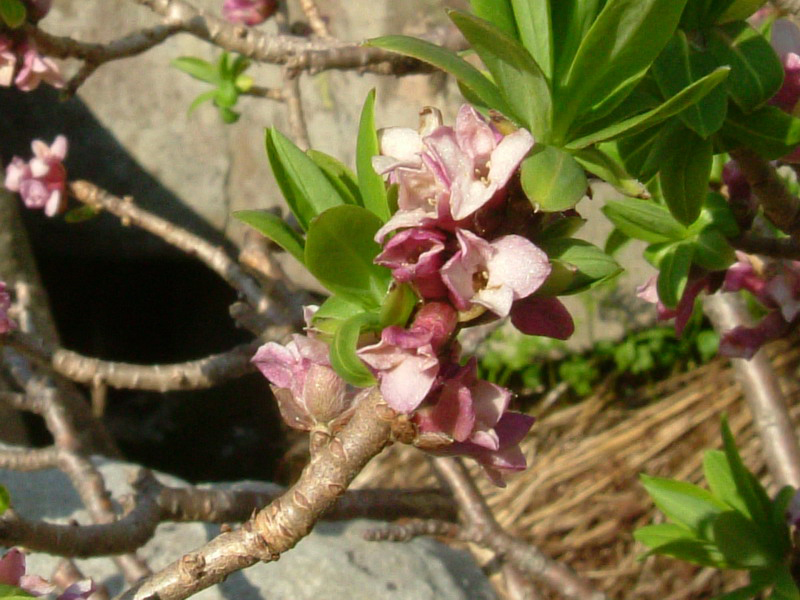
508, 155
12, 567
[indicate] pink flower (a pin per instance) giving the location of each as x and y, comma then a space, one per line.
248, 12
406, 361
744, 342
494, 274
41, 181
698, 283
415, 256
309, 392
35, 69
12, 572
6, 324
8, 62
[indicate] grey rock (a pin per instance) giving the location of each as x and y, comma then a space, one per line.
333, 563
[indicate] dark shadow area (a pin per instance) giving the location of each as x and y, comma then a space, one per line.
120, 294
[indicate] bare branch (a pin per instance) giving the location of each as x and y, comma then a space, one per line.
294, 104
405, 532
315, 20
29, 459
279, 526
767, 246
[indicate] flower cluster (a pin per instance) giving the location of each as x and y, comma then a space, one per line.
6, 324
22, 65
249, 12
12, 572
460, 239
41, 181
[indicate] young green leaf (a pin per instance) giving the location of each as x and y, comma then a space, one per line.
756, 71
680, 101
685, 504
398, 305
674, 273
684, 177
570, 20
644, 220
698, 552
615, 241
592, 264
276, 229
336, 308
197, 68
749, 488
520, 80
778, 508
9, 592
13, 13
744, 544
372, 185
535, 31
204, 97
340, 177
720, 480
498, 12
768, 131
712, 250
599, 163
623, 41
339, 253
449, 62
344, 359
552, 179
654, 536
645, 152
5, 499
305, 187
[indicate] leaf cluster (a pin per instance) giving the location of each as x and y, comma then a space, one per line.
226, 75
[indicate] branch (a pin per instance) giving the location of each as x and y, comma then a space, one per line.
279, 526
315, 20
763, 394
484, 530
781, 207
294, 104
29, 459
767, 246
190, 375
297, 53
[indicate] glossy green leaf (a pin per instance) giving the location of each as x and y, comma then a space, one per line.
694, 551
344, 359
756, 71
398, 305
684, 177
340, 177
645, 152
623, 41
768, 131
498, 12
273, 227
615, 241
562, 227
552, 179
204, 97
739, 10
13, 13
600, 164
749, 488
685, 504
197, 68
570, 20
521, 81
719, 477
678, 66
450, 62
560, 281
339, 252
742, 542
644, 220
305, 187
592, 264
535, 31
336, 308
717, 213
680, 101
5, 499
372, 185
654, 536
9, 592
712, 250
673, 273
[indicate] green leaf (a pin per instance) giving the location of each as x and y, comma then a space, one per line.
644, 220
344, 359
498, 12
685, 504
552, 180
740, 10
13, 13
601, 165
398, 305
778, 508
752, 492
742, 542
719, 477
561, 227
645, 152
694, 551
535, 31
9, 592
717, 213
339, 252
276, 229
615, 241
204, 97
336, 308
680, 101
712, 250
622, 43
592, 264
654, 536
227, 115
372, 185
756, 71
768, 131
678, 66
684, 177
571, 20
340, 177
520, 80
197, 68
743, 593
81, 214
674, 273
467, 75
785, 586
5, 499
226, 95
305, 187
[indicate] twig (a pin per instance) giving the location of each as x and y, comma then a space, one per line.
405, 532
265, 92
279, 526
774, 247
781, 207
294, 104
484, 530
28, 459
190, 375
315, 20
763, 394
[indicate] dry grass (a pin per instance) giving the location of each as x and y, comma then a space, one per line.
580, 500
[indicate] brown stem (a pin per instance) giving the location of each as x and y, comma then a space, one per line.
28, 459
294, 104
763, 394
315, 20
767, 246
279, 526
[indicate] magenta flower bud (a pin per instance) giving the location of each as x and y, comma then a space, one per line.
12, 572
35, 69
42, 181
248, 12
736, 182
